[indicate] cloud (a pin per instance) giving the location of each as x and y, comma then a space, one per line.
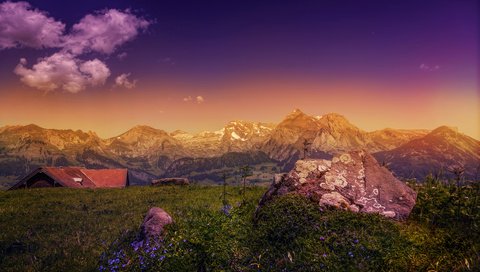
122, 56
122, 81
22, 26
427, 68
104, 32
167, 60
199, 99
63, 71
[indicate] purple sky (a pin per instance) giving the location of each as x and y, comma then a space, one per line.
90, 46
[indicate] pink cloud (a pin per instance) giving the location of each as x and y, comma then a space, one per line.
104, 32
428, 68
20, 25
123, 81
63, 71
122, 55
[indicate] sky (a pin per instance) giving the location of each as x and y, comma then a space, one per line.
106, 66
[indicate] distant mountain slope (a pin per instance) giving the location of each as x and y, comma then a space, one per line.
387, 139
328, 134
23, 148
145, 141
228, 161
236, 136
442, 148
149, 152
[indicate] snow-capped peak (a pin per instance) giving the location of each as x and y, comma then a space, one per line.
237, 137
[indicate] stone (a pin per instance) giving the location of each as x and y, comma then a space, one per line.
170, 181
352, 181
153, 225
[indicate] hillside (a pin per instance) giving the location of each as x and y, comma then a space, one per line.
65, 229
149, 152
434, 153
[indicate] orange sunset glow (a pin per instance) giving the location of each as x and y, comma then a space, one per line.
370, 106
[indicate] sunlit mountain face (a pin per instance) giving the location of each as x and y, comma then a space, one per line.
169, 88
270, 148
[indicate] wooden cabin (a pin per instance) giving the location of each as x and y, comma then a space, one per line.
74, 177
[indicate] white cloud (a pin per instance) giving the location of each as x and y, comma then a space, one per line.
63, 71
122, 81
200, 99
427, 68
104, 32
20, 25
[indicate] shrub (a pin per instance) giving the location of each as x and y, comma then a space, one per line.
293, 234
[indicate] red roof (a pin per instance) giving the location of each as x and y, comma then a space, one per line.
79, 177
107, 178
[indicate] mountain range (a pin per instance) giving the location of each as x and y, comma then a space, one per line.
149, 152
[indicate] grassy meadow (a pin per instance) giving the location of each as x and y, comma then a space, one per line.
94, 230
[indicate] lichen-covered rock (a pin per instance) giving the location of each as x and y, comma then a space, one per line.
352, 181
154, 223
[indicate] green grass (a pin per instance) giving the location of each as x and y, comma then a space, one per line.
67, 229
80, 230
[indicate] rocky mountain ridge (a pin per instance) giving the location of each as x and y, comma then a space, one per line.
149, 152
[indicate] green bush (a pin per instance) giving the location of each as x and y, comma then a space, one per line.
450, 218
293, 234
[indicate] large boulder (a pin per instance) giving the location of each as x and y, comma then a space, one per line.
170, 181
352, 181
154, 223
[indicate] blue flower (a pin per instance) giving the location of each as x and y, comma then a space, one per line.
355, 241
350, 254
136, 245
322, 238
226, 209
324, 255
